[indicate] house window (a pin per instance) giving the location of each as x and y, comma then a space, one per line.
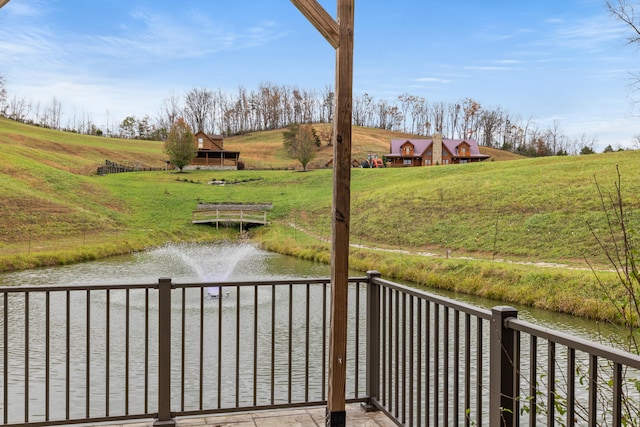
407, 162
445, 161
463, 161
464, 151
407, 150
428, 162
200, 143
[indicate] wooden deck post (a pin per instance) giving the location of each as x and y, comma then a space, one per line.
3, 2
340, 35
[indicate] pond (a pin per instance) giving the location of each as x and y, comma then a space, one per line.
244, 261
184, 264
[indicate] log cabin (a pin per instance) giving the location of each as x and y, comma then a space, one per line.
432, 152
212, 155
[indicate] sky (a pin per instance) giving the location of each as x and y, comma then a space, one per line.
548, 61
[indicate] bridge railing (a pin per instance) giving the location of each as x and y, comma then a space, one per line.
77, 354
226, 216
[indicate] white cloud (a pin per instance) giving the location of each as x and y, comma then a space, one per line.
159, 36
590, 34
432, 80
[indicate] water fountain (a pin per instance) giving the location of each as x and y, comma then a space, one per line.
211, 263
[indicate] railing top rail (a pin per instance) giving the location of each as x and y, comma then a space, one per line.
577, 343
311, 281
437, 299
61, 288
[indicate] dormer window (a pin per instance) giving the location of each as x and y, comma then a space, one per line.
200, 143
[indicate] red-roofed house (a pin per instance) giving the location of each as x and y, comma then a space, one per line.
212, 155
434, 151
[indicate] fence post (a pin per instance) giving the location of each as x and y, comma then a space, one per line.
373, 341
164, 354
502, 393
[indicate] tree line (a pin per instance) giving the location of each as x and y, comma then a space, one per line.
273, 106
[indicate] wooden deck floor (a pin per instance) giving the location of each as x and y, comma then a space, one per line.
306, 417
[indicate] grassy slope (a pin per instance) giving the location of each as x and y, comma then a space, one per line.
530, 210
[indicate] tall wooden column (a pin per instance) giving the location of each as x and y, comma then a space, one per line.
340, 35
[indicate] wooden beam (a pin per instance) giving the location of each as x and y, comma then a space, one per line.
3, 2
320, 19
340, 36
336, 415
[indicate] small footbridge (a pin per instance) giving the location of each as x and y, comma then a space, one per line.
231, 213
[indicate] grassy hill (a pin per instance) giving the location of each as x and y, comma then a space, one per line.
55, 209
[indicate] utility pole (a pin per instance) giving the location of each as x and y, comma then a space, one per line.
339, 34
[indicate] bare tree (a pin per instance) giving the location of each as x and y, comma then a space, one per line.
471, 110
56, 114
18, 108
437, 114
3, 96
385, 114
490, 122
328, 104
452, 119
420, 116
624, 11
406, 106
358, 111
168, 114
198, 105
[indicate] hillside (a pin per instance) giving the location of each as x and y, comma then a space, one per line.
530, 209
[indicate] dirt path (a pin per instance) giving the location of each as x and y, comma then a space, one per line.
436, 255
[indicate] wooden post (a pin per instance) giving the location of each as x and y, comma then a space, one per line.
3, 2
340, 35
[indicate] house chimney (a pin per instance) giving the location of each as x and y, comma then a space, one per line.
436, 149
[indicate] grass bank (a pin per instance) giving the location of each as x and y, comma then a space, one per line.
557, 288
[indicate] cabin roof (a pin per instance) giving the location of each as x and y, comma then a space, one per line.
420, 146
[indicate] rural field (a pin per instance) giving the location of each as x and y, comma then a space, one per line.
513, 229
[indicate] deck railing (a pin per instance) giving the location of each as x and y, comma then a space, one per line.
77, 354
445, 363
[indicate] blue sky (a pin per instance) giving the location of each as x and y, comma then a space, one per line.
543, 60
